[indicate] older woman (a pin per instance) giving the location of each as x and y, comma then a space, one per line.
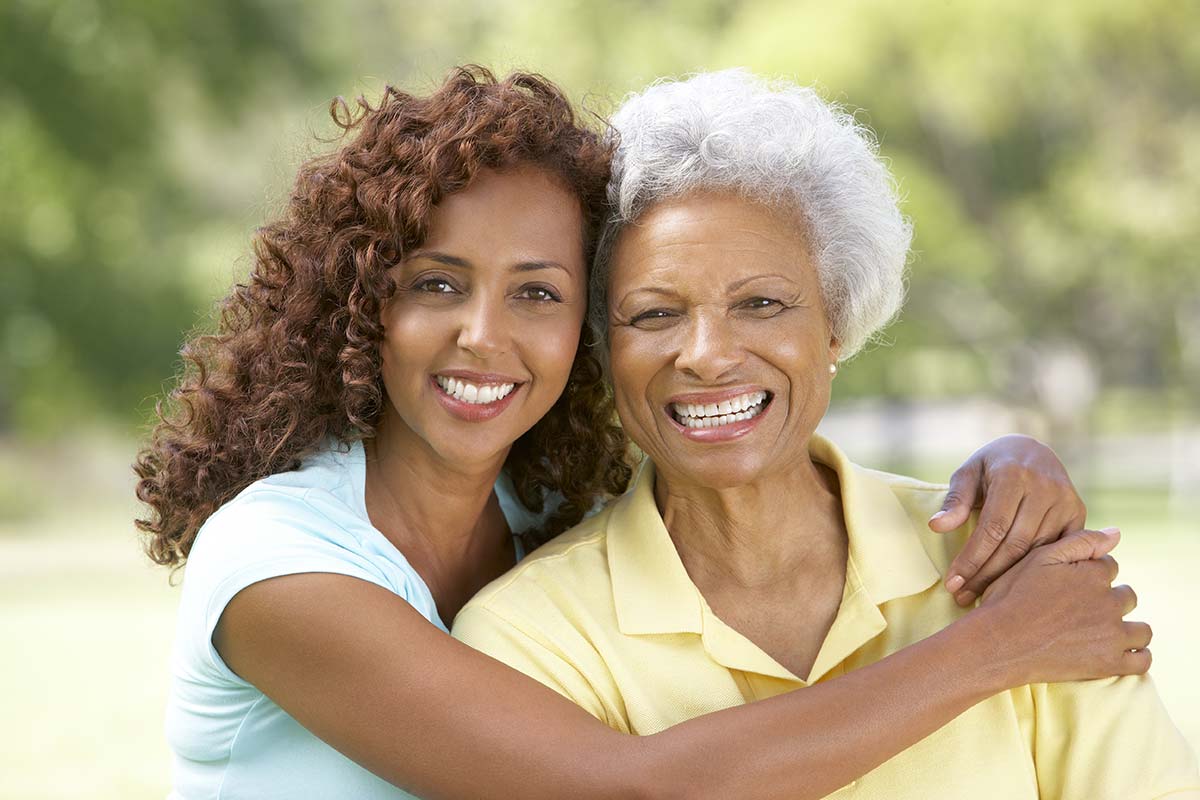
756, 243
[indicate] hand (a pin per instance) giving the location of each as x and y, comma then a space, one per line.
1028, 500
1057, 617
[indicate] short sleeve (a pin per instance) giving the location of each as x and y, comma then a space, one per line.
1110, 739
247, 542
532, 654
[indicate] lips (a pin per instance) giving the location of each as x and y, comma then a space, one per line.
474, 397
713, 417
724, 412
473, 393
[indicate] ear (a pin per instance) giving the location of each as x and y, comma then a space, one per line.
835, 349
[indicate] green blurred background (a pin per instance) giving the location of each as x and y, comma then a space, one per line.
1049, 154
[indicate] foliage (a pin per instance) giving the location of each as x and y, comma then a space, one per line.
1050, 154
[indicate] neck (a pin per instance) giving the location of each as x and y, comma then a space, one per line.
785, 527
442, 515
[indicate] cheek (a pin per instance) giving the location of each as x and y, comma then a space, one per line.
801, 352
410, 340
414, 337
549, 347
807, 368
633, 362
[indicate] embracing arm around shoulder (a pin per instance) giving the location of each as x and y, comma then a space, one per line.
356, 665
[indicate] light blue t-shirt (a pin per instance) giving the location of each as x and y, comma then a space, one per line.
228, 739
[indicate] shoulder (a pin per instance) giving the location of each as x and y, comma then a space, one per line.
574, 554
268, 532
1120, 723
873, 486
311, 505
913, 493
903, 504
904, 484
335, 472
543, 617
293, 523
297, 522
271, 523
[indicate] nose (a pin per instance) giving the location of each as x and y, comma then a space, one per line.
709, 346
484, 328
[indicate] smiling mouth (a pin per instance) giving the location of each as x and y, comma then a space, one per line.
714, 415
480, 394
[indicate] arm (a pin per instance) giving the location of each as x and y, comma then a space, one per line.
347, 659
1027, 500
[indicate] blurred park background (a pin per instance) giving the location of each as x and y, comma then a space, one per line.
1049, 154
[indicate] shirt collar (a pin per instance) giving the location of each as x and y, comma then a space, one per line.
885, 546
651, 589
653, 593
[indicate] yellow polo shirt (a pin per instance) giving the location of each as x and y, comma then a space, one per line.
607, 616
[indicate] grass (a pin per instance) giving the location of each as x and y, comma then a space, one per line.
88, 625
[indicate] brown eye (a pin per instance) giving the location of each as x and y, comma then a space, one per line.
540, 294
653, 319
435, 286
762, 306
761, 302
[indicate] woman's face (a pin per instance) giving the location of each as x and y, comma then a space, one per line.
481, 333
720, 347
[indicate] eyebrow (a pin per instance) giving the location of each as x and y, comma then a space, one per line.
733, 287
442, 258
650, 290
455, 261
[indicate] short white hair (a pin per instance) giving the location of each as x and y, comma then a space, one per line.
775, 143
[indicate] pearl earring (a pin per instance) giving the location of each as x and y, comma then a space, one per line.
833, 369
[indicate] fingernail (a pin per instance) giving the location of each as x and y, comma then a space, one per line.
941, 513
965, 598
1110, 531
955, 583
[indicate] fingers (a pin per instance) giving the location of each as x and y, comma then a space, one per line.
1078, 516
1126, 597
1080, 546
1111, 569
960, 500
1064, 517
1057, 523
1020, 539
1134, 662
999, 510
1137, 635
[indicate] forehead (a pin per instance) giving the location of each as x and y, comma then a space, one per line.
520, 212
718, 234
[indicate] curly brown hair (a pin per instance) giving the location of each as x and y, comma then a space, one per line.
295, 361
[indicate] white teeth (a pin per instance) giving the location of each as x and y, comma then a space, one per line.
472, 393
712, 415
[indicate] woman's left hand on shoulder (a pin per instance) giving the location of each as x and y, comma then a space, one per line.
1026, 499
